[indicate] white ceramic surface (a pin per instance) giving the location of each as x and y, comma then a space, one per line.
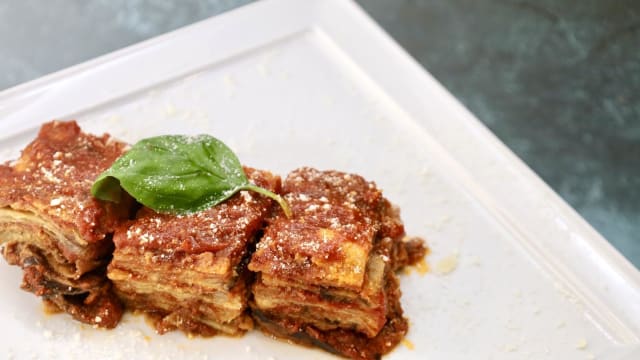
288, 83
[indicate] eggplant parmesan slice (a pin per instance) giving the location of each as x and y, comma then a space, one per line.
53, 228
189, 272
326, 276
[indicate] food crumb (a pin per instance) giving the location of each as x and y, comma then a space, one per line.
475, 261
408, 344
47, 334
50, 308
590, 356
229, 81
447, 264
422, 267
510, 348
263, 69
247, 349
440, 223
169, 110
582, 344
511, 326
114, 119
537, 311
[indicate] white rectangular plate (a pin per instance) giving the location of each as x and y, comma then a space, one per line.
288, 83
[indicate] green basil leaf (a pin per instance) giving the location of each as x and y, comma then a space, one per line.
177, 174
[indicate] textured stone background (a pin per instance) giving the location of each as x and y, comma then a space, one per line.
557, 80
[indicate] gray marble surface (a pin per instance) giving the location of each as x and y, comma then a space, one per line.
557, 80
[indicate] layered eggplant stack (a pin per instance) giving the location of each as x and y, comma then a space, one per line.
326, 276
189, 272
53, 228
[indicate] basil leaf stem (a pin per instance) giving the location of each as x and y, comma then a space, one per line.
279, 199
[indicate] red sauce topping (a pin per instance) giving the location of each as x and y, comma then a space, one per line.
224, 229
